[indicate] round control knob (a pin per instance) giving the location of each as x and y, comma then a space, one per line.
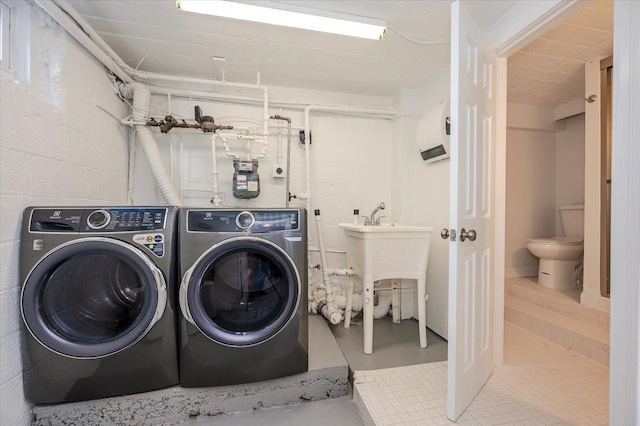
245, 220
98, 219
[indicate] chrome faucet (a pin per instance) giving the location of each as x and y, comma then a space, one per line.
372, 220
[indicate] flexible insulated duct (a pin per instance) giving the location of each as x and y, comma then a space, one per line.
141, 100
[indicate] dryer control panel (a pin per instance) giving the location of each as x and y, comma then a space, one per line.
254, 221
107, 219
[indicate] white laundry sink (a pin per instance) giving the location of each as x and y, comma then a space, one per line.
385, 227
388, 251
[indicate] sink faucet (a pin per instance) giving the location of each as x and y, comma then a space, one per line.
372, 220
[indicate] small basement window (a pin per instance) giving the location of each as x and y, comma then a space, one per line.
15, 26
5, 37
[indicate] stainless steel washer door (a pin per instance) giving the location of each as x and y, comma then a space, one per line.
241, 292
92, 297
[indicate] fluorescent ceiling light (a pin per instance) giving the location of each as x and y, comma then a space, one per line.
374, 30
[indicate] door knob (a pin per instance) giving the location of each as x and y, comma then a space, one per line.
470, 234
450, 234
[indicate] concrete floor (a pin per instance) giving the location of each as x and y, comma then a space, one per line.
333, 411
394, 345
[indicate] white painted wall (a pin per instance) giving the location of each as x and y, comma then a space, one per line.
351, 165
423, 192
530, 193
56, 148
432, 209
545, 169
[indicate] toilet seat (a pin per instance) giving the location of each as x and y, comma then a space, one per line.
557, 241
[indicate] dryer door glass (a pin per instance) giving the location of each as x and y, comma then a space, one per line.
244, 293
91, 299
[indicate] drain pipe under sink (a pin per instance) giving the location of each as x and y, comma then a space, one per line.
328, 307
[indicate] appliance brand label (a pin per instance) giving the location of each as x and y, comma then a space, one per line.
153, 242
293, 236
38, 244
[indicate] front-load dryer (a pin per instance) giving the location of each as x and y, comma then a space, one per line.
98, 301
243, 295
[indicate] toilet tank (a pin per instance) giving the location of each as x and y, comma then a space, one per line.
572, 218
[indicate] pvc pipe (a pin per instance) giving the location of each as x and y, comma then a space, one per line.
348, 306
145, 75
340, 272
141, 101
80, 34
356, 303
217, 201
87, 29
171, 158
330, 310
311, 248
279, 155
382, 308
82, 31
265, 90
182, 168
265, 116
189, 94
333, 315
395, 300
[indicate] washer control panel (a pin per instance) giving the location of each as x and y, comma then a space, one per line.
254, 221
107, 219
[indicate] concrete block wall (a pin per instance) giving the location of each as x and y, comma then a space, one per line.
351, 165
56, 148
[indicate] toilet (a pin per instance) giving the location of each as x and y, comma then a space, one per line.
561, 257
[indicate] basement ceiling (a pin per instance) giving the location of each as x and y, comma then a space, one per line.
154, 36
550, 70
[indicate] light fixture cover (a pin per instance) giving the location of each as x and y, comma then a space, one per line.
372, 29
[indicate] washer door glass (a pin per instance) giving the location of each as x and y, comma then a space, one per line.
243, 292
91, 298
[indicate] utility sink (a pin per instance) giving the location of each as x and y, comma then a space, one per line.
384, 228
388, 251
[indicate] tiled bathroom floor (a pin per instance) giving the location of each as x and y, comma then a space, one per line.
541, 383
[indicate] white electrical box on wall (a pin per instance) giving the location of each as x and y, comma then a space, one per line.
278, 171
433, 133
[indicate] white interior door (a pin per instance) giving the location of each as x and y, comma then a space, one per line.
473, 69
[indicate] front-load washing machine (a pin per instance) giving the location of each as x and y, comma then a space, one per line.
243, 295
98, 301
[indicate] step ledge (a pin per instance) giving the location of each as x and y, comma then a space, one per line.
528, 288
326, 378
588, 330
